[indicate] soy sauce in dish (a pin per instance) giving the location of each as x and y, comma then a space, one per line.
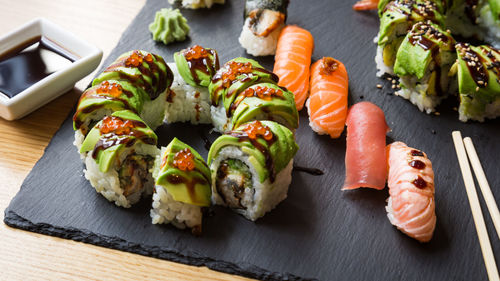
30, 62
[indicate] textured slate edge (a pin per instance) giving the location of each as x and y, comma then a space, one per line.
247, 270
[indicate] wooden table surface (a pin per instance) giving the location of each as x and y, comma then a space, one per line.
25, 255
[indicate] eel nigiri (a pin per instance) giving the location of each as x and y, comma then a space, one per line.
411, 206
327, 103
365, 159
293, 60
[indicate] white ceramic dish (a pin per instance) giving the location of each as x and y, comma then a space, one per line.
57, 83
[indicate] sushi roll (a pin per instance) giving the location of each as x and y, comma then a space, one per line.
196, 4
251, 167
292, 62
119, 152
489, 21
103, 99
230, 80
264, 101
264, 20
422, 63
396, 20
411, 204
182, 187
478, 75
147, 71
189, 100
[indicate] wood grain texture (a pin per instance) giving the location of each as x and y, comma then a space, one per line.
26, 255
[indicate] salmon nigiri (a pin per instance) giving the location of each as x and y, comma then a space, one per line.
411, 206
365, 5
292, 61
365, 158
327, 103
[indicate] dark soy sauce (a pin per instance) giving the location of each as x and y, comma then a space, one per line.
30, 62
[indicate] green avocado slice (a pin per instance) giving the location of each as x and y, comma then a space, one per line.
233, 86
152, 75
197, 72
280, 109
187, 186
478, 77
97, 97
269, 158
106, 157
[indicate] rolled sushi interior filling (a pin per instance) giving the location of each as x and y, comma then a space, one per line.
423, 63
187, 103
127, 179
237, 184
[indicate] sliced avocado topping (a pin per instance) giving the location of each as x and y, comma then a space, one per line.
184, 174
197, 65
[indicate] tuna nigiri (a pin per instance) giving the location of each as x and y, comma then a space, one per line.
327, 103
411, 206
365, 159
292, 61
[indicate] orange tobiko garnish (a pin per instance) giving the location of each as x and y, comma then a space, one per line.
116, 125
195, 52
265, 93
256, 129
112, 89
234, 69
134, 60
184, 160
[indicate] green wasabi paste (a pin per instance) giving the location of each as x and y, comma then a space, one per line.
169, 26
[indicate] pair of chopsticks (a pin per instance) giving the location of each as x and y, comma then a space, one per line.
484, 241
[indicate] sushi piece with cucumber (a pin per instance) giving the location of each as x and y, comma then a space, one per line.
264, 20
195, 4
182, 187
396, 20
230, 81
119, 152
422, 64
251, 167
478, 74
102, 100
147, 71
193, 70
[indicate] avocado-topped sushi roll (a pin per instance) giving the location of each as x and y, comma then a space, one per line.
462, 17
265, 101
230, 81
251, 167
119, 152
396, 19
103, 99
489, 21
147, 71
478, 76
264, 20
422, 63
182, 187
197, 65
189, 100
196, 4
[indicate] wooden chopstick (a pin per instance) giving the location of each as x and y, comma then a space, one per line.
483, 183
482, 233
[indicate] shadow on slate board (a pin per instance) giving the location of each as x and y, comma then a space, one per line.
318, 232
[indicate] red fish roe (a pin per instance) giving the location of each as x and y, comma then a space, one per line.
234, 69
195, 52
256, 129
116, 125
112, 89
184, 160
262, 92
329, 66
136, 58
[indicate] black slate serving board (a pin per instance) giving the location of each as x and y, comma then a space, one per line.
319, 232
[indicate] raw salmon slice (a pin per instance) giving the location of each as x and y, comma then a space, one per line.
293, 60
327, 103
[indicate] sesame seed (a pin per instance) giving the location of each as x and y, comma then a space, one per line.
379, 86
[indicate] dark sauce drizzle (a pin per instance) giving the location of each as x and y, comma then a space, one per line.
307, 170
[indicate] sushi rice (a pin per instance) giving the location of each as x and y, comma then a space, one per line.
258, 45
189, 104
